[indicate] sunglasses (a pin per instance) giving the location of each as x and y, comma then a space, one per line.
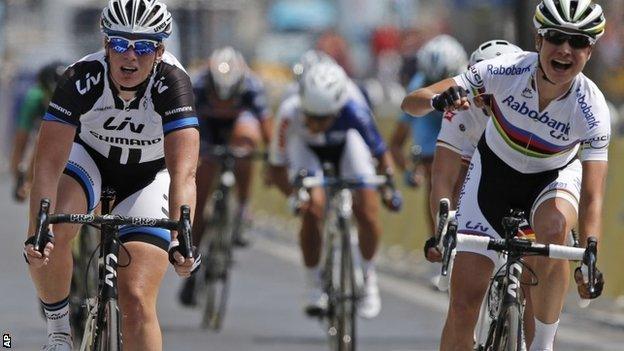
141, 46
576, 41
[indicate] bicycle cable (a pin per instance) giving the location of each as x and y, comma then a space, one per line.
86, 280
123, 246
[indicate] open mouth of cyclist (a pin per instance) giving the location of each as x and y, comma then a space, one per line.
129, 70
560, 65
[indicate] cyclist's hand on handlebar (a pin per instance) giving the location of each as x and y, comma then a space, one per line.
392, 199
390, 196
413, 179
453, 98
432, 253
582, 282
184, 267
21, 187
34, 257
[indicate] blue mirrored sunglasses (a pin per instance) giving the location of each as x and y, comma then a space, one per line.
140, 46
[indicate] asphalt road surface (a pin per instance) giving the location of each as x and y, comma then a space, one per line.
265, 307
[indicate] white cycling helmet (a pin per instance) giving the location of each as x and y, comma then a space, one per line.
148, 18
323, 89
582, 16
308, 59
491, 49
227, 72
441, 57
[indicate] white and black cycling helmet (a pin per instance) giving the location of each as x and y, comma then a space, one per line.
149, 18
308, 59
323, 90
227, 69
441, 57
575, 16
491, 49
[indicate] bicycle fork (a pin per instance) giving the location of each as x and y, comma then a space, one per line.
512, 291
108, 296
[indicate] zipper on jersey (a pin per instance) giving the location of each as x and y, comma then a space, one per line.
126, 104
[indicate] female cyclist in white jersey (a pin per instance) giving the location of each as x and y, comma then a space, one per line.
544, 112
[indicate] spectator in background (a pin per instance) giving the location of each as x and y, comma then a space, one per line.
441, 57
334, 44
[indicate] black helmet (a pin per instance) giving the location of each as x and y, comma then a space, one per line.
50, 74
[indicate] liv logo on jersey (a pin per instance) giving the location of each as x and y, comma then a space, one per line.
160, 86
87, 83
477, 226
108, 125
523, 109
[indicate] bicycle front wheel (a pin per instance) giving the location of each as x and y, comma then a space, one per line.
217, 274
108, 330
509, 332
347, 306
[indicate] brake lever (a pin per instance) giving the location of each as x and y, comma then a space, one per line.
443, 214
184, 232
41, 232
590, 259
449, 243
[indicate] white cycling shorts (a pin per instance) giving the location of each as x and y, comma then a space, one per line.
143, 195
492, 188
353, 157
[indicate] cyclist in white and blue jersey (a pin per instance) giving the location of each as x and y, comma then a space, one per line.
307, 60
440, 58
544, 112
323, 124
124, 118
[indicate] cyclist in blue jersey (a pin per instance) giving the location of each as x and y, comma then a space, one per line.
549, 124
324, 124
124, 118
233, 108
441, 57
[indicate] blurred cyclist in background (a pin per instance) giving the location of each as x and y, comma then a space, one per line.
307, 60
323, 124
441, 57
233, 110
31, 110
459, 134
